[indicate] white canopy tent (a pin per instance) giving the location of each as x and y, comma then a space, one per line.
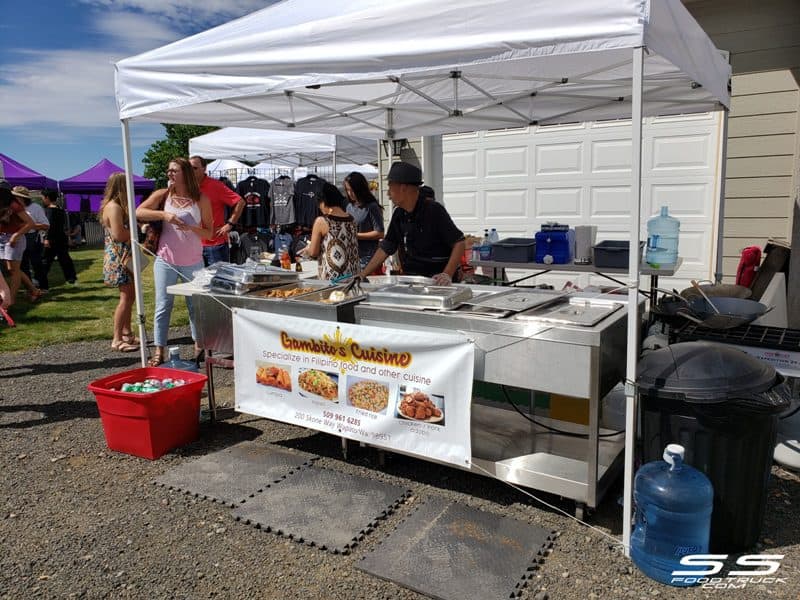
293, 148
222, 166
422, 67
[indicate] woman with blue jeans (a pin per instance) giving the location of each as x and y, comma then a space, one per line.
186, 217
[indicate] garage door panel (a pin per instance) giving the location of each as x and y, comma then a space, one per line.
463, 205
558, 203
685, 200
506, 203
507, 162
460, 164
559, 159
680, 152
611, 156
612, 201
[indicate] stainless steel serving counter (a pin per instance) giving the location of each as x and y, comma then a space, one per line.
533, 349
521, 351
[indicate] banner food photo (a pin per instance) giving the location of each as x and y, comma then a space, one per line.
402, 390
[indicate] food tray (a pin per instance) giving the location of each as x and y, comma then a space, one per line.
323, 296
278, 292
421, 295
226, 286
518, 301
255, 273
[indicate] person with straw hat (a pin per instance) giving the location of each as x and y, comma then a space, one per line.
14, 224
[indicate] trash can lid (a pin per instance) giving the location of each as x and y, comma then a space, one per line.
703, 372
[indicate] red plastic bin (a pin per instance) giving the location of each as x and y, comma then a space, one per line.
149, 425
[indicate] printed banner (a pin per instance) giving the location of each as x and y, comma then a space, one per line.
402, 390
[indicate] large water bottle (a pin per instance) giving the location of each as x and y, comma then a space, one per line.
175, 361
662, 240
494, 237
672, 518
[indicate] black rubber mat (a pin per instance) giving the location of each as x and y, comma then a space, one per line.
323, 508
453, 552
234, 474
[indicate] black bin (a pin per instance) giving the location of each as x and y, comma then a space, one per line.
722, 406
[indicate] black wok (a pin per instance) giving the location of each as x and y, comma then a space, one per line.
729, 313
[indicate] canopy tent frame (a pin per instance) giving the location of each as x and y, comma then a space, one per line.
681, 73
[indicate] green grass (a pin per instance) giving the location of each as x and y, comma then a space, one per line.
77, 313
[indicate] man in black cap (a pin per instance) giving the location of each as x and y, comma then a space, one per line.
421, 230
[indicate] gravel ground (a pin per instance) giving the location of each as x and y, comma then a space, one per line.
80, 521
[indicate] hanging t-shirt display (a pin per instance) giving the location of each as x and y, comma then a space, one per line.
251, 244
307, 193
281, 195
255, 192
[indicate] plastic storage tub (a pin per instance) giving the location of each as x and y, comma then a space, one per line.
149, 425
520, 250
612, 254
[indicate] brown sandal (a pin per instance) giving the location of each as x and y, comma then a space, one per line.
157, 358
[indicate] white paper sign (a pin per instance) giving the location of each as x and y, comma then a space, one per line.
403, 390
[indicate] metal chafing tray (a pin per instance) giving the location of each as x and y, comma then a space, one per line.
255, 273
585, 313
521, 300
307, 286
323, 297
420, 295
237, 288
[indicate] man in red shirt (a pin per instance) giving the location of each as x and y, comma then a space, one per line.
216, 249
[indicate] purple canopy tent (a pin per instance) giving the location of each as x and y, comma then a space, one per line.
91, 183
18, 174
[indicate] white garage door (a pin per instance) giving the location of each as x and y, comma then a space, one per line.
515, 180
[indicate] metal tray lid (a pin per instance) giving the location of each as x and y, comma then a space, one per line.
255, 273
419, 294
519, 300
229, 286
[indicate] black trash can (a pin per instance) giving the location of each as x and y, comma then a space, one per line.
722, 406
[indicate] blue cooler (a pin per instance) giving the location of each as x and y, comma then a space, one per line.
555, 244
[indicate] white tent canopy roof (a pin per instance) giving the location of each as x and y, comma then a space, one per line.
287, 147
222, 166
400, 69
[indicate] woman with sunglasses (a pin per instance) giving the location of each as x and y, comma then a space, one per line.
187, 220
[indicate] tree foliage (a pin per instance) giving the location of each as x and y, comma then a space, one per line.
176, 143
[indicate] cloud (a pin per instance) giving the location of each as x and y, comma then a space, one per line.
134, 33
187, 13
75, 88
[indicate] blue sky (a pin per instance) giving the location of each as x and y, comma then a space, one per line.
57, 109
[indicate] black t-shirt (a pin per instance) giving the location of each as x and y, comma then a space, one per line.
255, 192
307, 193
424, 237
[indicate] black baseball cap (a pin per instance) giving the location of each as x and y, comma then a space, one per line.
403, 172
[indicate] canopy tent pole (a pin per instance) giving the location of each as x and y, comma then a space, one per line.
132, 227
633, 294
722, 175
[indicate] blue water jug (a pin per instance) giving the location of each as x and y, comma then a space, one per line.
672, 517
175, 361
662, 240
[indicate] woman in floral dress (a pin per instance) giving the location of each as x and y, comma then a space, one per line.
114, 217
334, 237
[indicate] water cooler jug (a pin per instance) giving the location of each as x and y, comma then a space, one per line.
672, 518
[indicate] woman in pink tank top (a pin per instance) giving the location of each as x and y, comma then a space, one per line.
186, 217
